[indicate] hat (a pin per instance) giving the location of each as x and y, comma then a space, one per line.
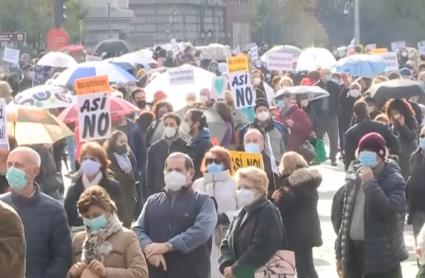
159, 95
373, 142
261, 102
405, 72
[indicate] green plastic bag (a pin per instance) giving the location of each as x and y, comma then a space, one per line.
319, 149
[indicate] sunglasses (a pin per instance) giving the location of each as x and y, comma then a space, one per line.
212, 160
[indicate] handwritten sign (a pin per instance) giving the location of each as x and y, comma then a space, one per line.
181, 76
280, 61
219, 85
395, 46
243, 159
421, 47
243, 93
11, 55
391, 61
4, 141
92, 85
237, 63
253, 52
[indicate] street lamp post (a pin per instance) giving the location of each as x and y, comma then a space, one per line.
109, 19
356, 21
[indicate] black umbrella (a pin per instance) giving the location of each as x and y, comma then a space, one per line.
396, 89
112, 48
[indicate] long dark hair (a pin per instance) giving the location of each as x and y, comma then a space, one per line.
197, 116
110, 145
402, 106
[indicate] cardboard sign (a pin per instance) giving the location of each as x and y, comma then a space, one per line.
237, 63
4, 141
91, 85
94, 116
421, 47
280, 61
219, 86
253, 52
243, 159
391, 61
379, 51
11, 55
371, 46
243, 93
181, 76
395, 46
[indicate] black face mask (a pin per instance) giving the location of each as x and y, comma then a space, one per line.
141, 104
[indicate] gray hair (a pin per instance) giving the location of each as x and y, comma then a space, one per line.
188, 163
253, 130
32, 154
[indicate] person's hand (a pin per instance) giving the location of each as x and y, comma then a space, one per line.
276, 196
77, 269
156, 249
98, 268
339, 268
401, 120
228, 272
290, 123
366, 175
157, 261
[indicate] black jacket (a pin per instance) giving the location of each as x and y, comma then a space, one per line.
298, 207
356, 132
136, 142
197, 148
408, 137
416, 183
345, 109
77, 188
157, 154
254, 235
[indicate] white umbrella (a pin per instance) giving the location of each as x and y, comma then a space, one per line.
57, 60
315, 58
215, 51
295, 51
45, 96
142, 57
176, 94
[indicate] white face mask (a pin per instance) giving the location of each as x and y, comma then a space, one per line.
204, 99
304, 102
185, 128
174, 181
263, 116
257, 81
355, 93
245, 197
327, 77
170, 132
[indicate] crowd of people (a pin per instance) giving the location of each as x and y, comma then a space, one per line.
160, 197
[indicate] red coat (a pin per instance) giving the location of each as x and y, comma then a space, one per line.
302, 128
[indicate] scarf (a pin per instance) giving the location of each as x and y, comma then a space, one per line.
95, 181
96, 246
123, 162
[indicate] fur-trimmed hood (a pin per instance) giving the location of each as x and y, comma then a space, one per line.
305, 176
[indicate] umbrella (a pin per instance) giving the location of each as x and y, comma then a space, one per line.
361, 65
91, 69
295, 51
74, 50
142, 57
31, 125
45, 96
303, 92
401, 88
57, 60
119, 107
314, 58
113, 47
176, 94
215, 51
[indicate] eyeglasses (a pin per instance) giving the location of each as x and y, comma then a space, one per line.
212, 160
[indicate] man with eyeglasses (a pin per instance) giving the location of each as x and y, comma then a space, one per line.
175, 226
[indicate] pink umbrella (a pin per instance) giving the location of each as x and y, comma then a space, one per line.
119, 108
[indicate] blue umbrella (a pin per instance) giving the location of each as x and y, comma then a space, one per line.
361, 65
90, 69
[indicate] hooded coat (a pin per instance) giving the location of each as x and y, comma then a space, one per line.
197, 149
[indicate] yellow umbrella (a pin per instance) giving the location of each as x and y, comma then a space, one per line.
31, 125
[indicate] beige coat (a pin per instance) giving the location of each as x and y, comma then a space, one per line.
126, 260
12, 243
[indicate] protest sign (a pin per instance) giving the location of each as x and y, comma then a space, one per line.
395, 46
219, 85
243, 159
94, 112
181, 76
237, 63
11, 55
4, 141
371, 46
379, 51
421, 47
280, 61
243, 93
391, 61
253, 52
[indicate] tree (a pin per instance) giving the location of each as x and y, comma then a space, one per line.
76, 11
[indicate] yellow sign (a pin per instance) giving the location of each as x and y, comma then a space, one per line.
89, 85
243, 159
379, 51
237, 63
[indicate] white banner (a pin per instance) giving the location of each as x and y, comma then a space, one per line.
395, 46
11, 55
94, 116
219, 86
421, 47
181, 76
280, 61
391, 61
4, 141
243, 93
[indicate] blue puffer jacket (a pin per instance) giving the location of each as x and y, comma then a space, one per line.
385, 208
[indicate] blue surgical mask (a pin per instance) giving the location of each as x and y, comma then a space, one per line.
280, 103
252, 148
368, 159
215, 168
422, 143
16, 178
96, 223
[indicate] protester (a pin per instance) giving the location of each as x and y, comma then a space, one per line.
195, 127
156, 129
138, 97
105, 248
12, 243
297, 199
404, 124
160, 150
124, 166
5, 91
47, 234
219, 184
256, 232
4, 153
205, 99
94, 171
374, 200
183, 249
226, 114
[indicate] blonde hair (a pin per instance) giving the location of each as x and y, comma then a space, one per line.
257, 176
290, 162
286, 79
